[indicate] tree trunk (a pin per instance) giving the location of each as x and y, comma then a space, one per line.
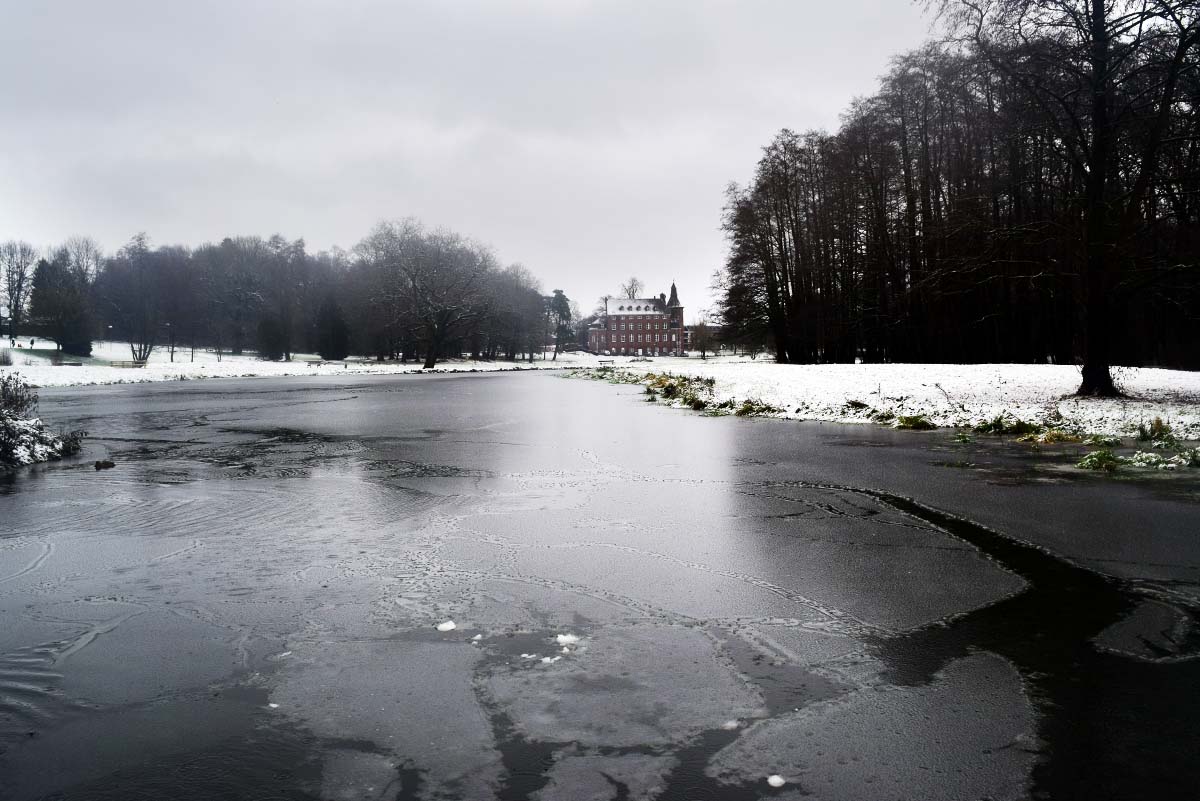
431, 354
1097, 379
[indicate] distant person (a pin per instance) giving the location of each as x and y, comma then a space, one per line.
31, 343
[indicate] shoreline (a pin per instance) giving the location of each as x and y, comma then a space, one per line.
1162, 431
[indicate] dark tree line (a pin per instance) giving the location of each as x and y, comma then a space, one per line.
404, 292
1026, 191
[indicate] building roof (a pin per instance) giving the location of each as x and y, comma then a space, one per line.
619, 306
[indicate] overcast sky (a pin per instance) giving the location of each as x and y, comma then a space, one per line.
587, 140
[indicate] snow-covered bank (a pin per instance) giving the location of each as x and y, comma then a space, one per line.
946, 394
37, 369
27, 441
23, 438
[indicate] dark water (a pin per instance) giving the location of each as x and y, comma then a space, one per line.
246, 605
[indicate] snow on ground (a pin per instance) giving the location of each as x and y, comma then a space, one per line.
947, 394
36, 367
950, 394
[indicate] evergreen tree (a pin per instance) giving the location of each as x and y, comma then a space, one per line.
333, 335
59, 306
271, 338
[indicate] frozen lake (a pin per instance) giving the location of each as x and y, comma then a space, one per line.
647, 603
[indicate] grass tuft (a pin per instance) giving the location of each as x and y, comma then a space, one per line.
915, 422
1003, 424
1103, 459
1156, 430
1102, 441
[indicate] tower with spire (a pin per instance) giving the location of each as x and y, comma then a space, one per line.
675, 315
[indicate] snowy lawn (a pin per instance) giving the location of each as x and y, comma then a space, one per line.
945, 394
35, 366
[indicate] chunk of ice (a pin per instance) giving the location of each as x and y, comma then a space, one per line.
447, 626
775, 780
567, 639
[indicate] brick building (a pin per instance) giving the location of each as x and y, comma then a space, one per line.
640, 327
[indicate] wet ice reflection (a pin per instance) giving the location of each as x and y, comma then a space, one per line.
342, 528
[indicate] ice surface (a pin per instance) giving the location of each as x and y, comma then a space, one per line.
430, 721
588, 777
639, 685
970, 729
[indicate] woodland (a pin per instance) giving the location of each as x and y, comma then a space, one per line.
1024, 189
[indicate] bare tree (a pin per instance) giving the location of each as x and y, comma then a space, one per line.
130, 287
84, 256
434, 281
1026, 192
285, 291
17, 259
1084, 64
633, 287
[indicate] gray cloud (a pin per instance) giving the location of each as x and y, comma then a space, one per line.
588, 140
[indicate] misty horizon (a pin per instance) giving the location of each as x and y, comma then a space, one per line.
585, 142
